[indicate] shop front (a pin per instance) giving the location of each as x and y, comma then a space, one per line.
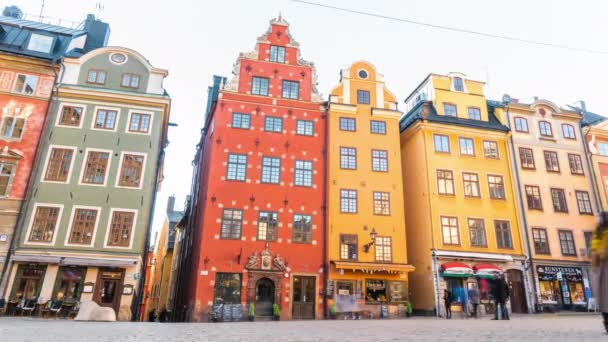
561, 287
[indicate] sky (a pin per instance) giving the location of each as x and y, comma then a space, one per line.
197, 39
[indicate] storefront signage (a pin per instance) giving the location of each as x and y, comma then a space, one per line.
87, 288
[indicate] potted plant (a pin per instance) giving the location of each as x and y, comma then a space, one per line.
276, 312
332, 311
251, 312
409, 309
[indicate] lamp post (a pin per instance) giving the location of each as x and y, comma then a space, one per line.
373, 236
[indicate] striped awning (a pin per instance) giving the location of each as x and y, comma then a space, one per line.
456, 270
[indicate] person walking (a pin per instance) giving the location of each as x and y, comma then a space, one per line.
599, 249
474, 300
500, 292
447, 299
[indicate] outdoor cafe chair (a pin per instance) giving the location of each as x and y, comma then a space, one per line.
44, 312
2, 306
56, 307
28, 307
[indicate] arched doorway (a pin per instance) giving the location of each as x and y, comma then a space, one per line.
264, 297
518, 293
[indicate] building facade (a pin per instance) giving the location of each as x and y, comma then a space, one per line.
557, 197
461, 208
367, 253
87, 217
258, 232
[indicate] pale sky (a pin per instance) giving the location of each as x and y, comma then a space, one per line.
196, 39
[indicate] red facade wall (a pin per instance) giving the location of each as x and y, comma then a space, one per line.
214, 254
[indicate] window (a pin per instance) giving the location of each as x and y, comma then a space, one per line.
471, 184
273, 124
348, 124
558, 196
271, 170
449, 230
69, 284
551, 161
303, 173
568, 131
7, 170
105, 119
380, 160
584, 202
503, 234
526, 157
449, 109
130, 81
566, 241
232, 222
237, 167
96, 77
277, 54
259, 86
241, 120
83, 226
121, 228
377, 127
362, 97
44, 224
95, 168
302, 228
227, 288
25, 84
442, 143
291, 89
467, 146
545, 129
521, 125
602, 148
131, 170
305, 127
533, 197
490, 149
477, 232
541, 243
382, 203
70, 116
268, 225
474, 113
576, 164
12, 127
348, 158
40, 43
445, 182
58, 165
376, 291
457, 83
497, 187
383, 248
139, 123
348, 247
348, 201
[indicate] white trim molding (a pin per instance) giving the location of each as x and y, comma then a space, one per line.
26, 240
71, 226
48, 158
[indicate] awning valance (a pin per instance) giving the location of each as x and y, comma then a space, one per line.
456, 270
104, 262
47, 259
371, 267
486, 270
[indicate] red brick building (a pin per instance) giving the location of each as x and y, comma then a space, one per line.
256, 219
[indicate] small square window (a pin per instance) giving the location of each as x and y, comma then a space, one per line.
259, 86
96, 77
521, 125
449, 109
378, 127
25, 84
474, 113
347, 124
467, 146
130, 81
305, 127
241, 120
442, 143
273, 124
362, 97
277, 54
490, 149
291, 89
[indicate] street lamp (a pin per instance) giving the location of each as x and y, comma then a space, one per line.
373, 236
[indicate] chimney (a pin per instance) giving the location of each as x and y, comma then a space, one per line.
12, 11
582, 105
213, 93
170, 204
98, 33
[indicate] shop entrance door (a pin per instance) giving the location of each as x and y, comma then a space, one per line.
108, 288
264, 297
303, 297
518, 293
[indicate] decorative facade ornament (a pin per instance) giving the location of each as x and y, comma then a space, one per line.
279, 263
253, 261
266, 258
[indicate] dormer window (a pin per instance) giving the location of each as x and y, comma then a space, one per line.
96, 77
40, 43
130, 81
458, 83
277, 54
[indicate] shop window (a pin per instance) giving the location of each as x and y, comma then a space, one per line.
348, 247
345, 288
28, 281
348, 201
549, 291
268, 224
558, 196
348, 158
139, 123
237, 167
232, 224
376, 291
241, 120
12, 127
445, 182
227, 288
533, 197
496, 186
70, 116
490, 149
348, 124
259, 86
467, 147
380, 160
577, 293
471, 184
7, 171
551, 161
131, 170
25, 84
121, 228
277, 54
271, 170
96, 167
526, 157
69, 283
44, 224
303, 173
302, 228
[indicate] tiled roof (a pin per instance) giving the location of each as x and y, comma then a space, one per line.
590, 118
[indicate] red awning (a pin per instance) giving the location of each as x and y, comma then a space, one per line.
456, 269
487, 267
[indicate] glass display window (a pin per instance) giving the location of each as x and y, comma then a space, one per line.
549, 291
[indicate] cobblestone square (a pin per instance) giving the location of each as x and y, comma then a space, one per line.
521, 328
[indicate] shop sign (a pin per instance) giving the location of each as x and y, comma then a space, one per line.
559, 276
560, 273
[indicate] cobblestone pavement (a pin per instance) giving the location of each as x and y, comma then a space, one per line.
527, 328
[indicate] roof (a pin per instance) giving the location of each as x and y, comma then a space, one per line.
426, 111
590, 118
40, 26
175, 216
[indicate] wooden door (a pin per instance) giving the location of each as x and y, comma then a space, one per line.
304, 297
264, 297
108, 288
518, 293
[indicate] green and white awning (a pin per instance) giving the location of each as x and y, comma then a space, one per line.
456, 270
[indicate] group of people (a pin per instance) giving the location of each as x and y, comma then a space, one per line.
499, 291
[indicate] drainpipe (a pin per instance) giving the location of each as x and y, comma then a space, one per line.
589, 162
523, 221
325, 216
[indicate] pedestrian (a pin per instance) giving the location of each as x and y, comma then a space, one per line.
163, 316
500, 293
447, 299
474, 299
152, 316
599, 249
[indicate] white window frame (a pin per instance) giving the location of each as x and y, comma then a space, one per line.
135, 111
26, 76
84, 162
48, 158
109, 226
94, 118
71, 225
14, 117
63, 104
143, 170
26, 240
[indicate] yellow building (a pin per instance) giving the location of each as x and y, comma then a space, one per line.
461, 208
366, 223
558, 199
